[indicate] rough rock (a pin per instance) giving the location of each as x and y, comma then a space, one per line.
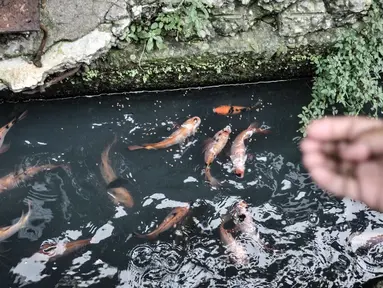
143, 8
304, 17
231, 19
82, 31
348, 6
17, 73
75, 19
275, 6
18, 45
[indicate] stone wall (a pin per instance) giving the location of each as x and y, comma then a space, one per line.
244, 40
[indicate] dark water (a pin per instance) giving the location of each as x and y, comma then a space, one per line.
308, 230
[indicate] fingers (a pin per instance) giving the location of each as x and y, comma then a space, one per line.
326, 172
370, 175
367, 144
308, 145
340, 127
335, 183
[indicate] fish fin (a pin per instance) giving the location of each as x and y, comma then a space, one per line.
206, 143
213, 182
135, 147
4, 148
119, 182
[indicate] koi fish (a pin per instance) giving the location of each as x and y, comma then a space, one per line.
233, 110
12, 180
212, 147
174, 217
187, 129
237, 252
8, 231
4, 130
238, 149
57, 250
119, 194
242, 218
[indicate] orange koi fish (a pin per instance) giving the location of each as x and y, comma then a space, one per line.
13, 179
238, 149
5, 129
212, 147
187, 129
119, 194
8, 231
174, 217
57, 250
237, 252
233, 110
242, 218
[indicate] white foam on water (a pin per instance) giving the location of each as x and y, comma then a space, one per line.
120, 212
73, 234
167, 203
286, 184
190, 179
103, 232
300, 195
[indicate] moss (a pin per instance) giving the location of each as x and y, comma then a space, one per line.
115, 72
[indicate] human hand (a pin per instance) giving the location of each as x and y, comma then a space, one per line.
344, 155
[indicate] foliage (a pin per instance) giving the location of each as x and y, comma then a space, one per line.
347, 79
189, 19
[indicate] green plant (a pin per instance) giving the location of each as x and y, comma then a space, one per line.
347, 80
189, 19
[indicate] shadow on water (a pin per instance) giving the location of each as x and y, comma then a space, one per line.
308, 230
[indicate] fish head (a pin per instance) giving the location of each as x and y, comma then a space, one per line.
196, 121
227, 129
192, 124
49, 249
239, 172
185, 208
242, 204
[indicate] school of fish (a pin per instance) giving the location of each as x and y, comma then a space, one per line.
239, 218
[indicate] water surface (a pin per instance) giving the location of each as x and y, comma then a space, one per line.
309, 230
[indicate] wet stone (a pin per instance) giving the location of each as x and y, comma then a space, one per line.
304, 17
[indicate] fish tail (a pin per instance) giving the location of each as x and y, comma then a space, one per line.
135, 147
22, 115
147, 236
18, 118
25, 217
143, 146
255, 127
149, 146
256, 105
66, 168
213, 182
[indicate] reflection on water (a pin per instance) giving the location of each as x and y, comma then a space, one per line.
306, 238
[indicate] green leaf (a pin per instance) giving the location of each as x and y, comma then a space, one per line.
149, 45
